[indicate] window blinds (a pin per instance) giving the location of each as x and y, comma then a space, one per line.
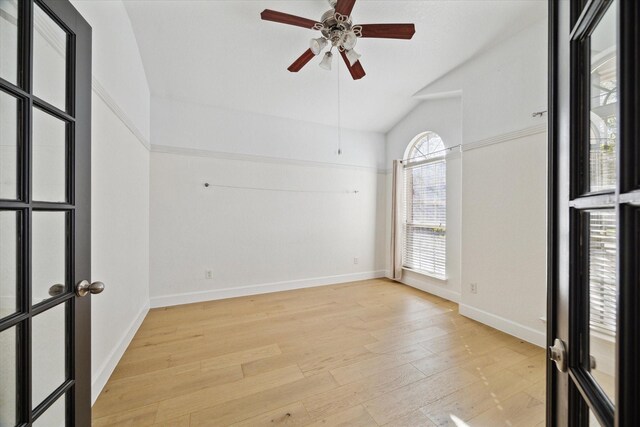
425, 214
602, 272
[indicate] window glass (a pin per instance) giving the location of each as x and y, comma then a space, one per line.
425, 214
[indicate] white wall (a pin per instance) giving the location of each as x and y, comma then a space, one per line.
120, 185
501, 86
117, 64
193, 126
504, 241
496, 189
256, 240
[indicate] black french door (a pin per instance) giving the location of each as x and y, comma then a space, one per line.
45, 200
594, 213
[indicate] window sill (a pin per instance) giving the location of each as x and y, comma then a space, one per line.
442, 279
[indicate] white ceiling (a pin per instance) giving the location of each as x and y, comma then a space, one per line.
220, 53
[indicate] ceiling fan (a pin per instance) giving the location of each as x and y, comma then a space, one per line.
339, 32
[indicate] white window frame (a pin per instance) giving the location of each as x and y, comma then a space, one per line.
426, 151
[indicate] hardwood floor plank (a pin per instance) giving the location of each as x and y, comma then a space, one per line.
313, 364
538, 390
395, 341
144, 416
413, 419
531, 368
353, 417
184, 421
520, 410
264, 401
435, 363
142, 390
476, 398
414, 396
211, 396
430, 318
311, 360
362, 369
353, 394
240, 357
294, 415
493, 362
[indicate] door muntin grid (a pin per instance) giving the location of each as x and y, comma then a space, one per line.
39, 368
603, 143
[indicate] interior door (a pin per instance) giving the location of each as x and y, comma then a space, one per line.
594, 211
45, 141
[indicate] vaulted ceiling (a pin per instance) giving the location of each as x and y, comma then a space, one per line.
220, 53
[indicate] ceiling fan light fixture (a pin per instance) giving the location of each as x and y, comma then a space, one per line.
326, 61
316, 45
349, 41
353, 56
337, 29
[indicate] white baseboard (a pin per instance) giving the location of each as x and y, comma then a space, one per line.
107, 368
193, 297
505, 325
431, 288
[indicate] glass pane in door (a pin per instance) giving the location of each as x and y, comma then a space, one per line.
55, 416
48, 255
50, 156
603, 130
8, 377
8, 263
49, 60
8, 146
603, 290
9, 40
49, 342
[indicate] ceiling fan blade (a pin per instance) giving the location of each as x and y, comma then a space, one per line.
285, 18
344, 7
301, 62
388, 31
356, 70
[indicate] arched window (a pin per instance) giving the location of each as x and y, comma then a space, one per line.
425, 211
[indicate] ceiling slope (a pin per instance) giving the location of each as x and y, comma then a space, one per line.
220, 53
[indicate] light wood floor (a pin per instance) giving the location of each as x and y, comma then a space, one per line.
360, 354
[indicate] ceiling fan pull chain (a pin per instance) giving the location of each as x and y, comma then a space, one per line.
339, 116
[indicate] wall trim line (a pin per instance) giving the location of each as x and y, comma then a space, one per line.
194, 152
103, 373
505, 325
497, 139
104, 95
505, 137
265, 288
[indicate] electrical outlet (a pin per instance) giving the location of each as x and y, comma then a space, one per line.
355, 260
208, 274
474, 288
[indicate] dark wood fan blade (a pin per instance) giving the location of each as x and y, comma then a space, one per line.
356, 70
301, 62
388, 31
285, 18
344, 7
